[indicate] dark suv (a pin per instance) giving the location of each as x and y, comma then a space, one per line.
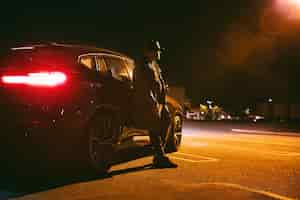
69, 104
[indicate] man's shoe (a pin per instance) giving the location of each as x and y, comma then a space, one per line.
163, 162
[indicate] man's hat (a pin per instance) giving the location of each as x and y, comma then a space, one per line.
154, 45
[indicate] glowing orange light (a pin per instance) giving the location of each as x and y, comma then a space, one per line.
290, 8
295, 2
288, 2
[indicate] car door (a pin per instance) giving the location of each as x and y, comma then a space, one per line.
117, 87
84, 92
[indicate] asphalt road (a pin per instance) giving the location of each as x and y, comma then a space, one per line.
214, 163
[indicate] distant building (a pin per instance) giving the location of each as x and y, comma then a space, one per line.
279, 111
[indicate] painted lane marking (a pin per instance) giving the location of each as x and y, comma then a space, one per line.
195, 144
285, 153
262, 192
266, 132
193, 158
262, 151
188, 160
263, 142
251, 139
239, 187
265, 151
229, 136
197, 156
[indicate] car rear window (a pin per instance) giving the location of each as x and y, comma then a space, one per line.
22, 58
14, 58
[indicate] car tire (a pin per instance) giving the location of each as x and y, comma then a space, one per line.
174, 139
99, 139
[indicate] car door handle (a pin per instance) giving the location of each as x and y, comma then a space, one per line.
96, 85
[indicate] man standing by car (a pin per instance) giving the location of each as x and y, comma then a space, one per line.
149, 101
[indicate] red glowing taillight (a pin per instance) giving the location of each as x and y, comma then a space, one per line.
43, 79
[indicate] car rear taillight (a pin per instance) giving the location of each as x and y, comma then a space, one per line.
42, 79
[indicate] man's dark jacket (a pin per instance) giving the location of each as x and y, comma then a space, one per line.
150, 91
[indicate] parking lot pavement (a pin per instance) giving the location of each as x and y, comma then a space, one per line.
214, 163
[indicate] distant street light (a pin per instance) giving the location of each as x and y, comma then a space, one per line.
270, 100
290, 2
209, 102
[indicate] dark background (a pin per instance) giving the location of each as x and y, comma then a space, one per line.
235, 52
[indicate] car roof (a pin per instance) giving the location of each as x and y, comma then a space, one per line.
74, 49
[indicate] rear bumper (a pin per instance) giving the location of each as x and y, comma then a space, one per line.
39, 147
18, 142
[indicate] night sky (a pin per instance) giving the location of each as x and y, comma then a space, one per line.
235, 52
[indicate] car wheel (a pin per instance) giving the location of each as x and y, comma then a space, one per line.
100, 133
174, 139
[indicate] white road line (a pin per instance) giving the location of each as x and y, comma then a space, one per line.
263, 141
262, 192
240, 187
190, 160
268, 143
199, 159
197, 156
265, 132
195, 144
262, 151
285, 153
252, 141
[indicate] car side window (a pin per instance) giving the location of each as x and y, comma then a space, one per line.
118, 68
101, 65
88, 62
130, 67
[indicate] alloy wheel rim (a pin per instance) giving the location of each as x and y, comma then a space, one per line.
96, 141
177, 124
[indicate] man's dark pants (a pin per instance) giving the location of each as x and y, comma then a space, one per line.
158, 126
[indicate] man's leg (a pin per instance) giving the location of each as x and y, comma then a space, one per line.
165, 125
160, 159
157, 144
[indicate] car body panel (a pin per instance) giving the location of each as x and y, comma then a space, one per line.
44, 120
